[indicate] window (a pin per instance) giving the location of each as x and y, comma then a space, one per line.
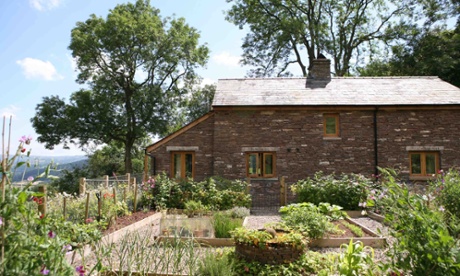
423, 164
183, 165
331, 125
260, 164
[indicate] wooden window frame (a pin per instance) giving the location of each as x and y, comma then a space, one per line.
260, 164
183, 165
337, 129
423, 175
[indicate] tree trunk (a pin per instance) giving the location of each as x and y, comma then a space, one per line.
128, 161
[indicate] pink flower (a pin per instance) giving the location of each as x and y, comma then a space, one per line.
88, 220
51, 234
44, 271
25, 139
441, 208
30, 178
1, 221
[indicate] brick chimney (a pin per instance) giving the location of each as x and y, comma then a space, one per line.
320, 73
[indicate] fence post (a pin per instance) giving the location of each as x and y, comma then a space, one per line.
106, 181
65, 207
82, 189
282, 192
135, 195
42, 203
128, 177
87, 207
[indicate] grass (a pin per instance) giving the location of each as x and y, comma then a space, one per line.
223, 224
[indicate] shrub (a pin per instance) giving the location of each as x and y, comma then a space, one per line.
447, 189
305, 218
223, 224
195, 208
423, 244
238, 212
346, 190
215, 264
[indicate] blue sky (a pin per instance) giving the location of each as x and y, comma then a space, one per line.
35, 61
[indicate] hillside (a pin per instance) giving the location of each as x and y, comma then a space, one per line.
38, 165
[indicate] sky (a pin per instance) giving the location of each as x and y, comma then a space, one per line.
35, 60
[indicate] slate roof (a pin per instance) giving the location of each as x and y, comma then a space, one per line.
350, 91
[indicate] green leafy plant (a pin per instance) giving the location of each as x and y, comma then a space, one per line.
262, 238
354, 260
216, 263
305, 218
354, 228
223, 224
195, 208
346, 190
423, 243
238, 212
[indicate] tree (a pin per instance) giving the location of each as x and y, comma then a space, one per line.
433, 53
200, 102
285, 32
135, 64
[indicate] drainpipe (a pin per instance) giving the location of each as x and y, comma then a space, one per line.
376, 152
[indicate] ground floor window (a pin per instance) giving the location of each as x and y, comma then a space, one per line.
260, 164
182, 165
424, 163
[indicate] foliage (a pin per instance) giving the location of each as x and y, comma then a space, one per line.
33, 243
223, 224
355, 261
238, 212
358, 231
423, 244
215, 264
136, 67
69, 180
216, 194
447, 189
305, 218
262, 238
195, 208
346, 190
431, 53
310, 263
200, 102
286, 32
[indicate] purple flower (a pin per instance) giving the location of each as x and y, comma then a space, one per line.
80, 270
67, 248
51, 234
441, 208
44, 271
30, 178
25, 139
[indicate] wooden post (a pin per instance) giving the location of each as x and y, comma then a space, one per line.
106, 181
114, 195
42, 204
99, 206
128, 179
65, 207
87, 207
82, 189
135, 196
282, 192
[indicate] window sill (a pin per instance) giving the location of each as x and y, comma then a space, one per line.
264, 178
332, 138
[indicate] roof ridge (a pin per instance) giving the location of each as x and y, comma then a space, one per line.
350, 77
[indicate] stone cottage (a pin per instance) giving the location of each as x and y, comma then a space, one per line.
268, 128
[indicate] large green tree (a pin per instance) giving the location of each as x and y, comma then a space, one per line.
285, 32
433, 53
135, 65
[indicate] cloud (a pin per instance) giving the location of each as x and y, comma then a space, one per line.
38, 69
225, 58
9, 111
43, 5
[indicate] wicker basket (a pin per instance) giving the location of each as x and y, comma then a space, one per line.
273, 253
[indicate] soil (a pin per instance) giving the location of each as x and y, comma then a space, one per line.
347, 233
127, 220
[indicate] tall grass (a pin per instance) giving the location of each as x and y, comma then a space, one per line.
224, 223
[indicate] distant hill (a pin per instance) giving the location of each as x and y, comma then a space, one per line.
38, 165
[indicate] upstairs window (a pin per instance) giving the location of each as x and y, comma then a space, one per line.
260, 164
331, 125
183, 165
423, 164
